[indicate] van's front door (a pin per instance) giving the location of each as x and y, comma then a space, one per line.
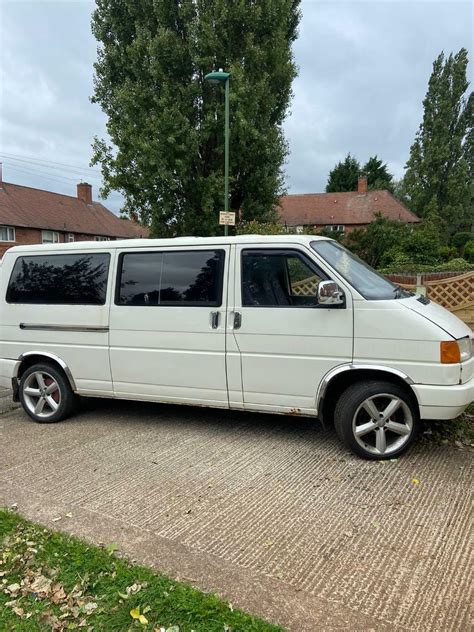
286, 342
167, 325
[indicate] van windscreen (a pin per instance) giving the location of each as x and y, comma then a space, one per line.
369, 283
63, 279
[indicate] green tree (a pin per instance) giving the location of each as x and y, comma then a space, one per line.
441, 158
344, 176
372, 242
165, 122
378, 175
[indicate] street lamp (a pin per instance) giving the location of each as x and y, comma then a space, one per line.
223, 77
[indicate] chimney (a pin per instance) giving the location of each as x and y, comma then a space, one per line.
362, 184
84, 192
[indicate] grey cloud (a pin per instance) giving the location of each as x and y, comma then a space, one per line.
364, 68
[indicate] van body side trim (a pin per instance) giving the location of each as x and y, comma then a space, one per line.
45, 327
355, 367
51, 356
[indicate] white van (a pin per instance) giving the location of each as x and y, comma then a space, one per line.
289, 324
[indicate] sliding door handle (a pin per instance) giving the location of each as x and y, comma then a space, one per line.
214, 320
237, 320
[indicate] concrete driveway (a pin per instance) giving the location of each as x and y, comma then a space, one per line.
270, 512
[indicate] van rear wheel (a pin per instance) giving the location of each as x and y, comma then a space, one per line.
45, 394
376, 420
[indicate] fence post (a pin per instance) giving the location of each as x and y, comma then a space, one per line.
420, 289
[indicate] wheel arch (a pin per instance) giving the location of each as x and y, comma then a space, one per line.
29, 358
339, 378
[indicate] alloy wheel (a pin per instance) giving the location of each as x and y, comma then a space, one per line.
382, 424
41, 394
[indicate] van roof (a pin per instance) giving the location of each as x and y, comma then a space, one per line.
175, 241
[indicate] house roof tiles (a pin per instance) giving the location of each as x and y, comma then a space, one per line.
35, 208
350, 208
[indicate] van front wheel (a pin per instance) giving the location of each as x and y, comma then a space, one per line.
376, 420
45, 393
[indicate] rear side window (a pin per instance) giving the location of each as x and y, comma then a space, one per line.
190, 278
76, 279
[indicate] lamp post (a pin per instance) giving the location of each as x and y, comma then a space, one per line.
223, 77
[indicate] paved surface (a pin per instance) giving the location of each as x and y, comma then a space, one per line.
268, 511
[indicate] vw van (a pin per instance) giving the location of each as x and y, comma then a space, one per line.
288, 324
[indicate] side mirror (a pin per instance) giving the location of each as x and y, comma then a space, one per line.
329, 293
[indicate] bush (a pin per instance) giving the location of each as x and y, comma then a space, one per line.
469, 251
259, 228
460, 241
455, 265
446, 253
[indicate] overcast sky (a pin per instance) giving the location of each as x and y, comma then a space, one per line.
363, 73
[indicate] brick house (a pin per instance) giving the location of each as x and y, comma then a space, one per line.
341, 211
34, 216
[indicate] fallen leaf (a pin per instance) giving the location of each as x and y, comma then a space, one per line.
135, 613
19, 611
41, 586
415, 481
146, 609
56, 519
68, 515
89, 607
12, 589
58, 593
143, 620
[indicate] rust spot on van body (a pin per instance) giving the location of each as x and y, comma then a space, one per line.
294, 412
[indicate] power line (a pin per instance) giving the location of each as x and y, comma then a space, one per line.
41, 161
41, 174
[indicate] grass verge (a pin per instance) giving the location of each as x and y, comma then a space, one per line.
51, 581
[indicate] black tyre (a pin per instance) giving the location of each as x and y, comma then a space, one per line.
376, 420
45, 393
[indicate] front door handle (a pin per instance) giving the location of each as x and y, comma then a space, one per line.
214, 320
237, 320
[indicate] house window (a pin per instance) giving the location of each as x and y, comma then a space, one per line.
336, 228
7, 233
70, 237
101, 238
50, 237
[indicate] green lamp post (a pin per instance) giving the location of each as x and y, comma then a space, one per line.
223, 77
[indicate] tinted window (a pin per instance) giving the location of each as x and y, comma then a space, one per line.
278, 279
172, 278
78, 279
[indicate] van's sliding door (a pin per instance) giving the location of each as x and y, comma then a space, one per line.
167, 325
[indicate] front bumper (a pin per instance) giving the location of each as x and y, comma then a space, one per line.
444, 402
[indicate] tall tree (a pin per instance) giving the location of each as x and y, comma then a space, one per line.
344, 176
440, 168
166, 123
378, 175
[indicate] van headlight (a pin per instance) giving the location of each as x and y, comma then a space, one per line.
455, 351
466, 347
